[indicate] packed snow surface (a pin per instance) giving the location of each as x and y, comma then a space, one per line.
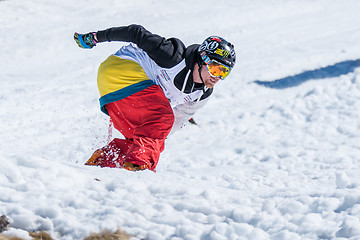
276, 152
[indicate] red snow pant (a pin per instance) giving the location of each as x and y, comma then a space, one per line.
145, 119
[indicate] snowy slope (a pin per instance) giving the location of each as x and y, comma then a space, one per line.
276, 152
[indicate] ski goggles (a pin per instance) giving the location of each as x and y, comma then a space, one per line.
215, 68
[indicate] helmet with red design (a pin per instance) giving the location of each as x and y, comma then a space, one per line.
218, 51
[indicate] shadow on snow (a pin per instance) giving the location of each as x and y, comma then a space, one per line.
321, 73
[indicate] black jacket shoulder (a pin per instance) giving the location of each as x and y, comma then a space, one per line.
165, 52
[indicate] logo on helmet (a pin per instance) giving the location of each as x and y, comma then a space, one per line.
208, 46
221, 52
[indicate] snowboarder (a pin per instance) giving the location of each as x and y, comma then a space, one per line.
151, 87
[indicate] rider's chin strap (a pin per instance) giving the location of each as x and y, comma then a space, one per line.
202, 80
